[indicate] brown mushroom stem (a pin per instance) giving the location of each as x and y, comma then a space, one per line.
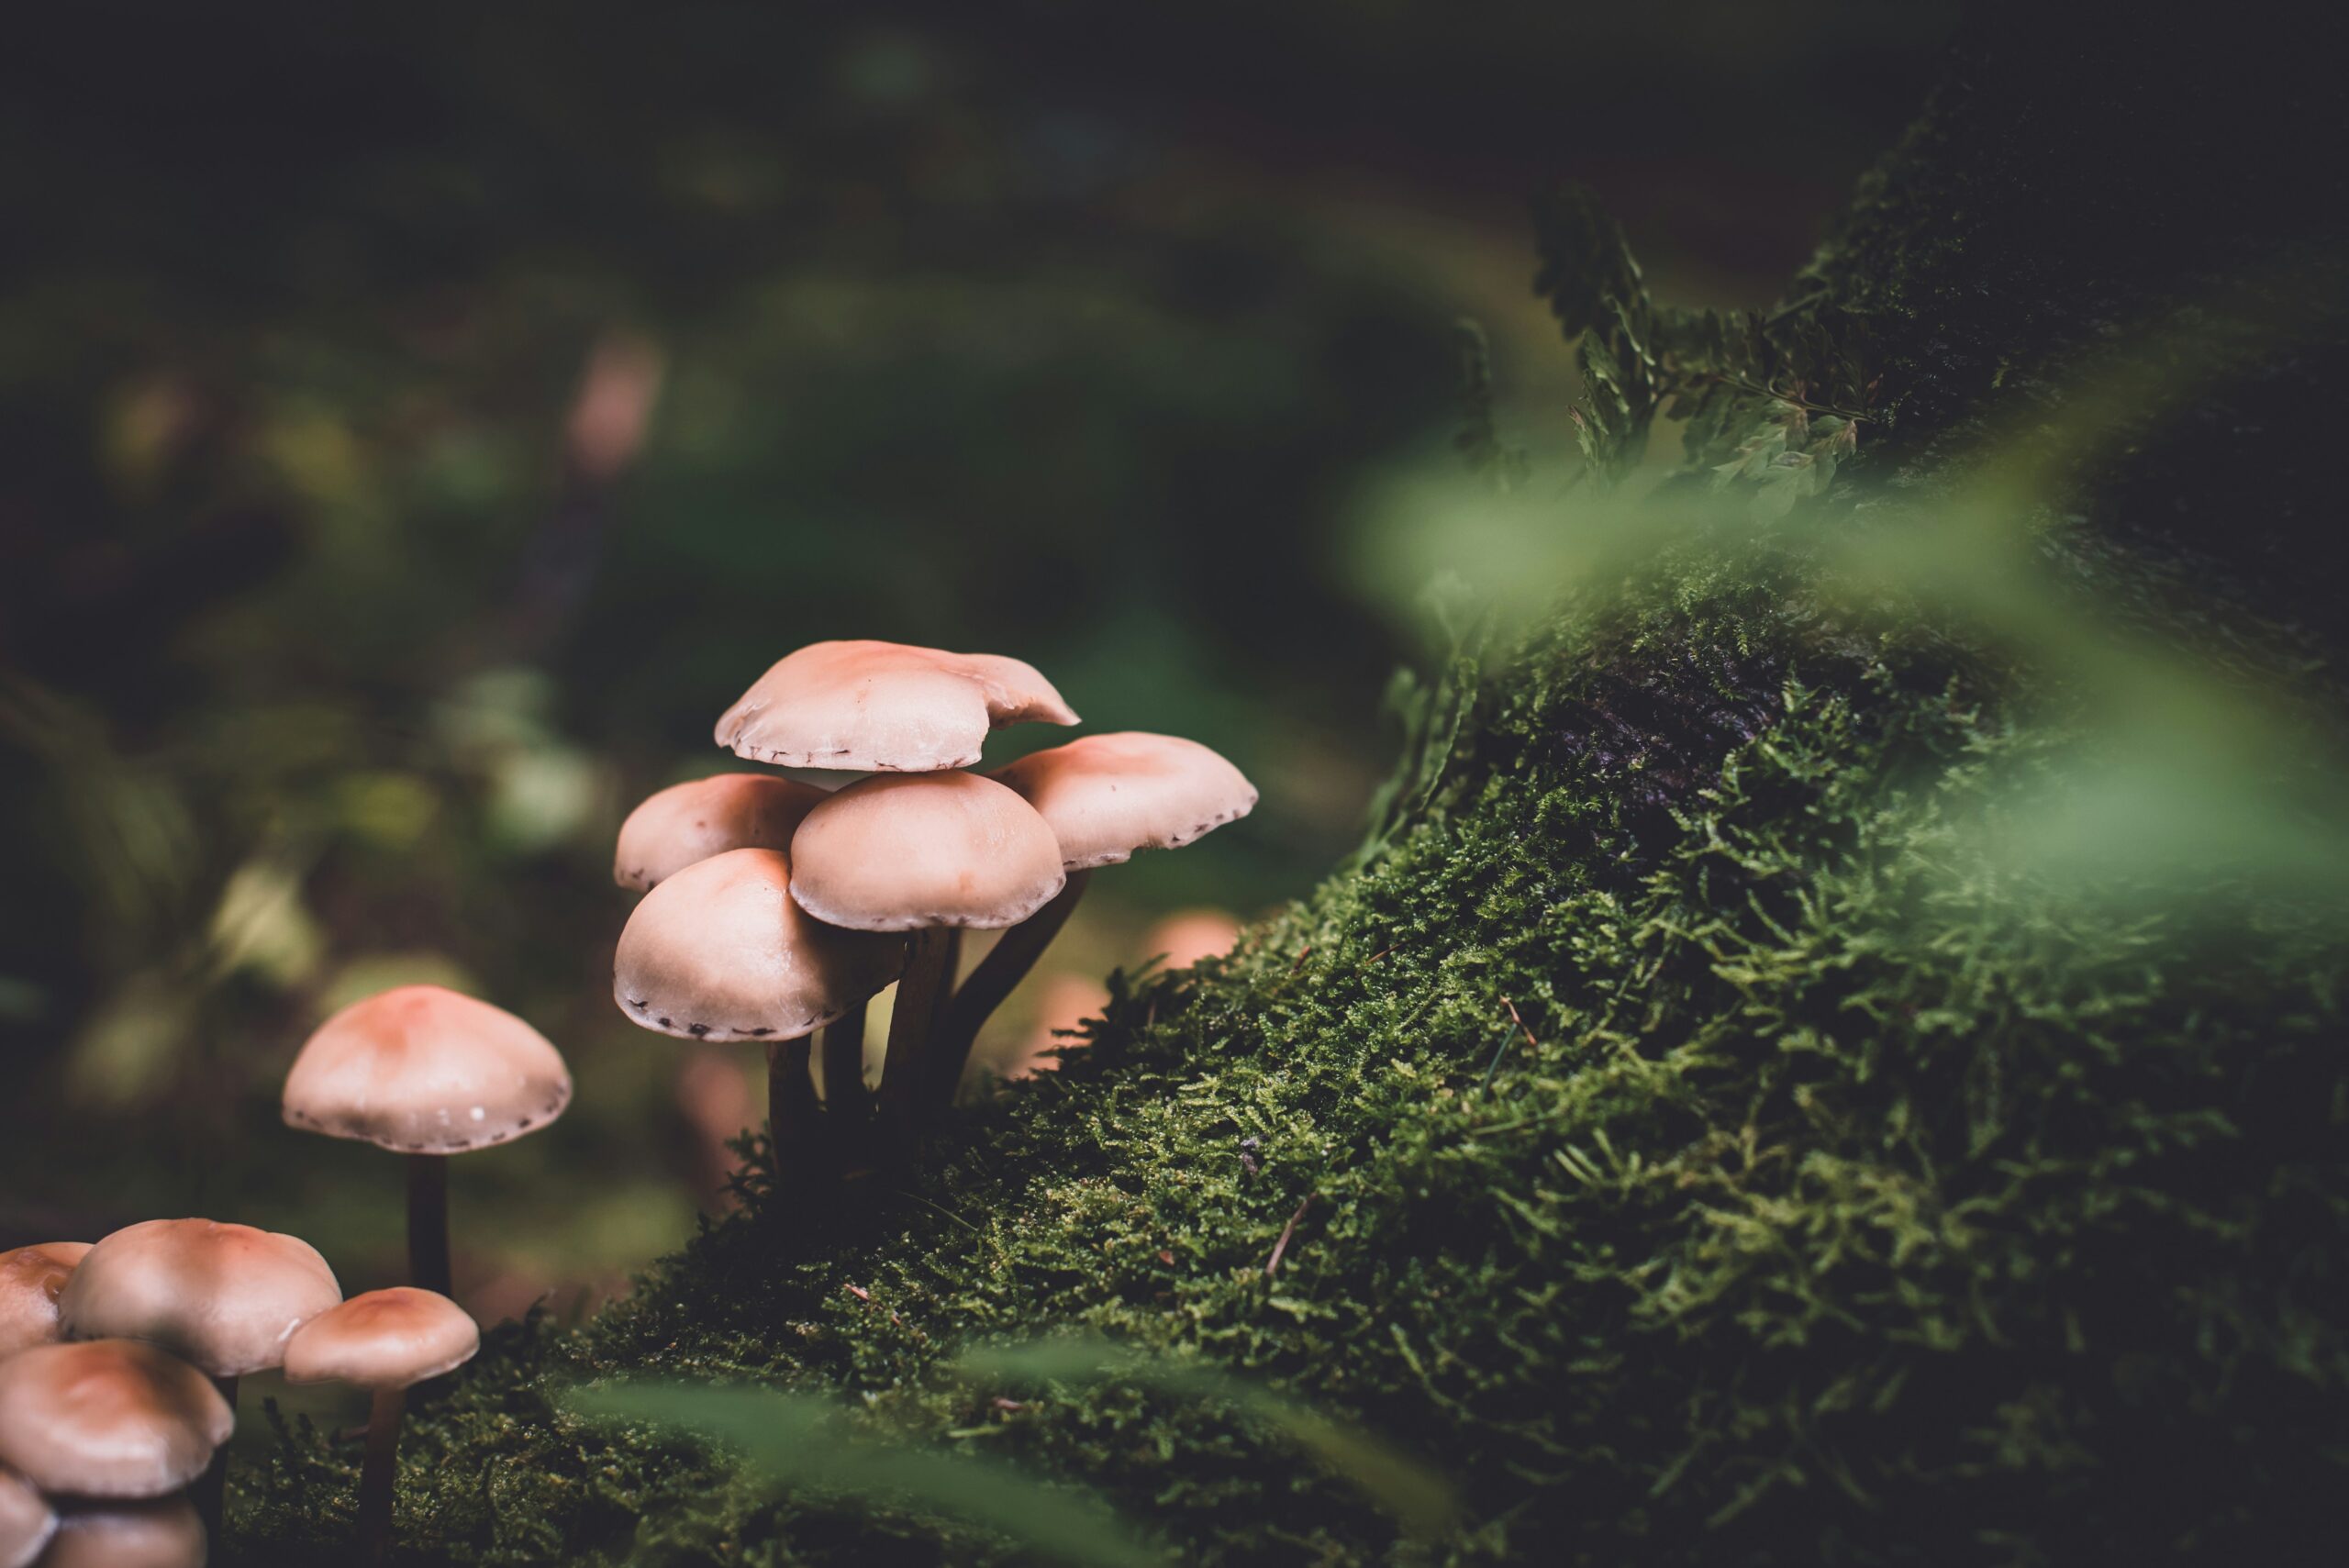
913, 1019
427, 1222
210, 1492
848, 1104
378, 1472
1005, 966
794, 1121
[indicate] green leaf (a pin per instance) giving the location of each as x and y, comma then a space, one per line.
803, 1443
1418, 1498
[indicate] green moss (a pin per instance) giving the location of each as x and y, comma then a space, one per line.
1839, 1199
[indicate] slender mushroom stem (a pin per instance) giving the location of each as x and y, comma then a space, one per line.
913, 1019
378, 1472
847, 1102
210, 1492
1005, 966
795, 1121
427, 1222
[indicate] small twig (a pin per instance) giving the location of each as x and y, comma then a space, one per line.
1272, 1263
1301, 958
1382, 952
1495, 1065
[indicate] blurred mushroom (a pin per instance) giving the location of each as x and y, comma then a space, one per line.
30, 1279
27, 1521
689, 822
884, 708
929, 854
224, 1299
1105, 798
427, 1072
108, 1418
162, 1532
722, 952
385, 1341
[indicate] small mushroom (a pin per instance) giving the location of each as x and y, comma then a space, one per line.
722, 952
162, 1532
884, 708
224, 1299
108, 1418
1105, 798
689, 822
427, 1072
30, 1279
385, 1341
929, 854
27, 1521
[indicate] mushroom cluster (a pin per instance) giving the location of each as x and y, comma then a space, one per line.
774, 909
118, 1382
119, 1361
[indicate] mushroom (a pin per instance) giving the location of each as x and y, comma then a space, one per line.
162, 1532
720, 951
1105, 798
689, 822
222, 1297
385, 1341
27, 1521
108, 1418
884, 708
929, 854
427, 1072
31, 1278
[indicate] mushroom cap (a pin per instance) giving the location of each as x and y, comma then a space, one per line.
720, 951
27, 1521
30, 1279
384, 1338
425, 1071
225, 1297
884, 708
689, 822
904, 851
164, 1532
1107, 796
108, 1418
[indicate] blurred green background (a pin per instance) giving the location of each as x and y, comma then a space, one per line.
419, 425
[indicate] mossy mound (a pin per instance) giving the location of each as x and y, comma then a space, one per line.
1829, 1195
1691, 1129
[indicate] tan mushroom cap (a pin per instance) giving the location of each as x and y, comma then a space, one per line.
384, 1338
425, 1071
905, 851
689, 822
1109, 796
884, 708
166, 1532
720, 951
226, 1297
30, 1279
108, 1418
27, 1521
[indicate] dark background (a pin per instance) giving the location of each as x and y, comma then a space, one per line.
335, 637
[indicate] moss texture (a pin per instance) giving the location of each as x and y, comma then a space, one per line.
1701, 1143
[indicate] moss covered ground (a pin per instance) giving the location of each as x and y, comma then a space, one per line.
1689, 1129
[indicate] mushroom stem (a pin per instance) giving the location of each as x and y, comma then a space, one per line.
1005, 966
378, 1472
913, 1020
848, 1104
795, 1122
427, 1222
210, 1492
